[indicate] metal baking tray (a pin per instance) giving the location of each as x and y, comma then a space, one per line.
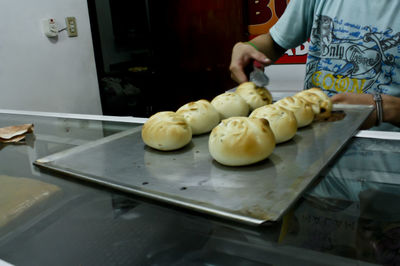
190, 178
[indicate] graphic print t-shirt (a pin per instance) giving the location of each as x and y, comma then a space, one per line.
354, 45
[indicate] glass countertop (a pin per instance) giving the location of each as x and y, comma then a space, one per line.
349, 216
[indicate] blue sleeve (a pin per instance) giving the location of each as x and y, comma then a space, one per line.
294, 26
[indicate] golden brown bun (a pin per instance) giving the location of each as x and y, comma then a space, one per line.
230, 104
166, 131
325, 104
254, 96
301, 110
320, 102
283, 123
240, 141
310, 98
200, 115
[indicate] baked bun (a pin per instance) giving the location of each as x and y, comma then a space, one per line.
325, 103
240, 141
166, 131
301, 110
283, 123
200, 115
319, 101
230, 104
310, 98
254, 96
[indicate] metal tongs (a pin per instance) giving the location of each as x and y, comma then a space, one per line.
258, 76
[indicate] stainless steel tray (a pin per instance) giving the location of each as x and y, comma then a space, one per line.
191, 178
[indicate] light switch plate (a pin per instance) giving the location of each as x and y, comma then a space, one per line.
71, 26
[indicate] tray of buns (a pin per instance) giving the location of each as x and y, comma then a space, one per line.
190, 177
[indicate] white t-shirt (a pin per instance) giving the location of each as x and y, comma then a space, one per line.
354, 44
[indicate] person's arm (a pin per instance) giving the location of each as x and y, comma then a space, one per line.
390, 106
391, 109
243, 54
292, 29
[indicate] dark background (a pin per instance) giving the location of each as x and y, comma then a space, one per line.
179, 51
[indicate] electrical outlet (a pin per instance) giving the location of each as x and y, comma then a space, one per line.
50, 27
71, 26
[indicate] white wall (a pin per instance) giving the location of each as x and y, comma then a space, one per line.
286, 79
40, 74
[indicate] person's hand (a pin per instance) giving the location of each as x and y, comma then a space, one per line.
356, 98
242, 55
353, 98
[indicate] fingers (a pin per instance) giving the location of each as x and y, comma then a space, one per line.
261, 59
337, 98
238, 75
353, 98
343, 98
242, 56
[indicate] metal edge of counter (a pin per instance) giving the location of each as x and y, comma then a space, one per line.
371, 134
127, 119
141, 120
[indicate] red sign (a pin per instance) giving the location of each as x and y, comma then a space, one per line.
263, 14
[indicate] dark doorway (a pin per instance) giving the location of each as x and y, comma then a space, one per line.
158, 55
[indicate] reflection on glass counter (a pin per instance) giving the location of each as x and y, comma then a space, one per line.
349, 216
